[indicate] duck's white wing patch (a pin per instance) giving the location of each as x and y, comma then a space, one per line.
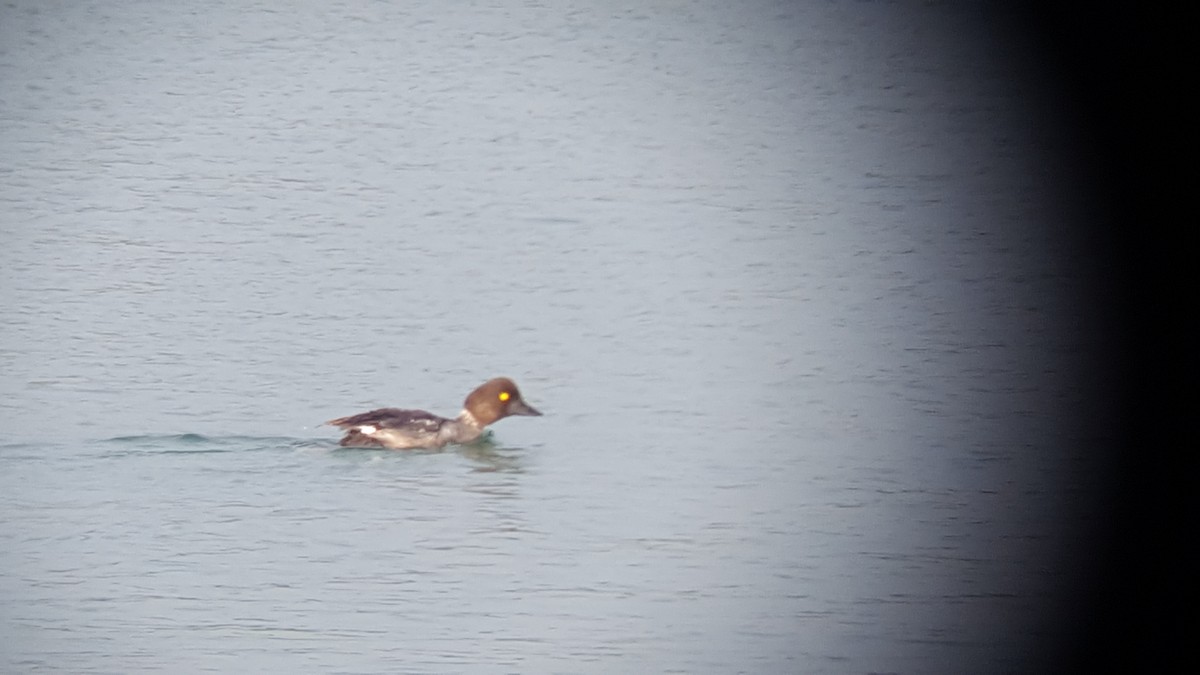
367, 429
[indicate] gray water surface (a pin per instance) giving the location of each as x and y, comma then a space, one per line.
791, 284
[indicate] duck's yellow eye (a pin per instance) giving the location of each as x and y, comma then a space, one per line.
504, 396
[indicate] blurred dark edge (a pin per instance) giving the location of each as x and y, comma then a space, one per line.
1103, 71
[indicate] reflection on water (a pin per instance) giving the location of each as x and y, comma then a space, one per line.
488, 457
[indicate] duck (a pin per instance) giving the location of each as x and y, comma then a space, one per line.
401, 429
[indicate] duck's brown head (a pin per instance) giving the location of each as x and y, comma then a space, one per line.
496, 399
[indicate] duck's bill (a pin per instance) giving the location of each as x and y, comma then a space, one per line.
519, 407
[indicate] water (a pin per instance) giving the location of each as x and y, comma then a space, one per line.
793, 285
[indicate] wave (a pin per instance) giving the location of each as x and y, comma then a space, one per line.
195, 442
201, 443
485, 454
